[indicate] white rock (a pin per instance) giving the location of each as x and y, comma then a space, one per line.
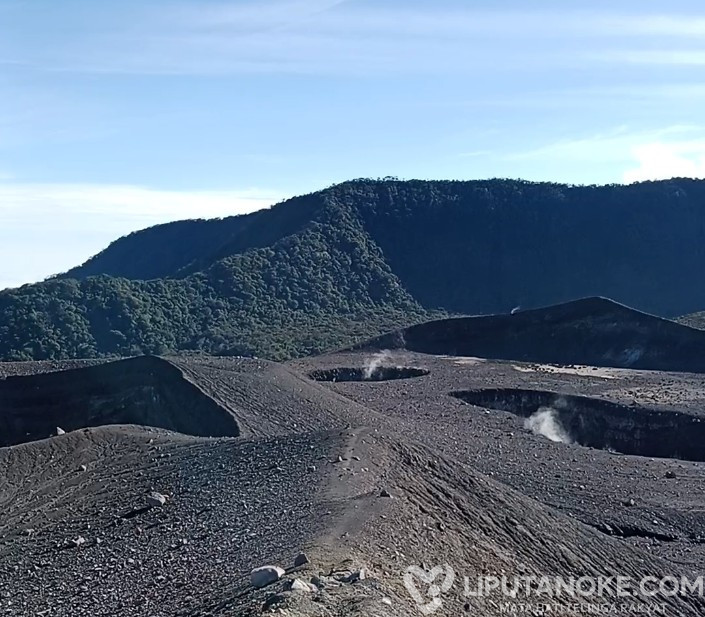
265, 575
360, 575
75, 543
156, 499
60, 431
301, 586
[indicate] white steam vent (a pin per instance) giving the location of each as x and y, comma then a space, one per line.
545, 422
375, 362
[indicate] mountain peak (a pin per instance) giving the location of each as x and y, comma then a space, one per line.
365, 256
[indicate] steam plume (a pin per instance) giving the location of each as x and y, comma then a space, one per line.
375, 362
545, 422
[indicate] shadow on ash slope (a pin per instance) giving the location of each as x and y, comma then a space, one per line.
597, 423
145, 391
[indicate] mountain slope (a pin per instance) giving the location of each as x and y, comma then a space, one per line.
324, 269
185, 247
294, 297
476, 247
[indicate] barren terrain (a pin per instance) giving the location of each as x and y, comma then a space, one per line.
368, 461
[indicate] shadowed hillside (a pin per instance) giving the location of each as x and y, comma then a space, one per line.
326, 269
592, 331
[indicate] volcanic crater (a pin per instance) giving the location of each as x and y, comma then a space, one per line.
602, 424
145, 391
382, 373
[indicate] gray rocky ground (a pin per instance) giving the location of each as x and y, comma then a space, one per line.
366, 477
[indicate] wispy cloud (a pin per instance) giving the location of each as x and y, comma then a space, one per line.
663, 57
475, 153
37, 219
677, 26
134, 203
333, 36
670, 152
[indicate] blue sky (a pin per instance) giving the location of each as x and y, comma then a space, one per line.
115, 115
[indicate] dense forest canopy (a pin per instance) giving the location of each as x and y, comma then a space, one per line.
321, 270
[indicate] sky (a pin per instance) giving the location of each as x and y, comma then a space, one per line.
117, 115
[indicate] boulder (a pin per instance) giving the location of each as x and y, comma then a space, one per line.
265, 575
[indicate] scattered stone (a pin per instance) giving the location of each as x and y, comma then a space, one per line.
387, 601
60, 431
385, 493
311, 468
319, 582
301, 560
76, 542
265, 575
83, 468
276, 599
670, 474
297, 585
155, 499
360, 575
629, 502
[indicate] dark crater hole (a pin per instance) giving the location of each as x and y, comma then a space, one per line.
597, 423
381, 373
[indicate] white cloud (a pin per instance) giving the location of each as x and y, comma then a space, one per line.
56, 226
657, 154
661, 161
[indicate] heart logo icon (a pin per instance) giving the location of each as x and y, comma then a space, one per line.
430, 601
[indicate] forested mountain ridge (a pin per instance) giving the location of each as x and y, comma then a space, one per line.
319, 270
305, 293
184, 247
